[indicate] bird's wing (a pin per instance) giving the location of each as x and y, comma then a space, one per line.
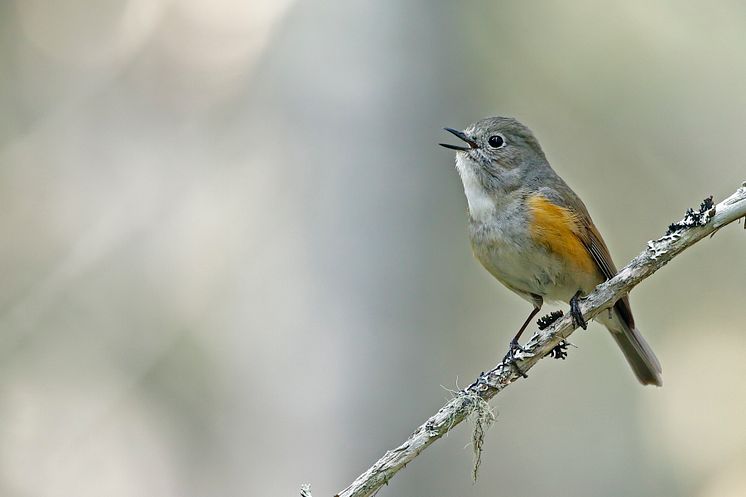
594, 243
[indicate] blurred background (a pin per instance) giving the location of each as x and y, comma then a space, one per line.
235, 259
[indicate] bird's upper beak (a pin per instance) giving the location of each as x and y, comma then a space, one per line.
462, 135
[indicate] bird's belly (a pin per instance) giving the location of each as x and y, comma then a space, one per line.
527, 267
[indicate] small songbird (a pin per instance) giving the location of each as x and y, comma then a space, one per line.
533, 233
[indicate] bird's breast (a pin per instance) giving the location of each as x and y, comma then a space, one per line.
530, 251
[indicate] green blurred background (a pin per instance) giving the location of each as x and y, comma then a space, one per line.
235, 259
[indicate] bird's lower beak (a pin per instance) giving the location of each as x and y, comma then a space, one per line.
462, 135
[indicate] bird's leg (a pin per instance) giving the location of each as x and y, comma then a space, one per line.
577, 316
514, 341
514, 345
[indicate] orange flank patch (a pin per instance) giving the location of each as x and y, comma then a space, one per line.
557, 228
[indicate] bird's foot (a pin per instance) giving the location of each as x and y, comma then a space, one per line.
577, 316
545, 322
510, 356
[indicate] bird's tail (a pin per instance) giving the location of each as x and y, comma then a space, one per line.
636, 350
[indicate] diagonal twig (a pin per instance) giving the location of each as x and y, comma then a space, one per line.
696, 225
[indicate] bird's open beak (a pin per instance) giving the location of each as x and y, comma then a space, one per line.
460, 134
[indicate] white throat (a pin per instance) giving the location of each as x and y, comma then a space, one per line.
481, 205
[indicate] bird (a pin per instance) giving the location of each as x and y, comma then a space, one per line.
532, 232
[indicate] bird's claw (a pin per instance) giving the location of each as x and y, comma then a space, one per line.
510, 356
577, 316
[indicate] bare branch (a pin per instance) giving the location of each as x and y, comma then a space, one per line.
695, 226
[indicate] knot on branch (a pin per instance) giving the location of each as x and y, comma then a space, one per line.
545, 322
694, 218
559, 351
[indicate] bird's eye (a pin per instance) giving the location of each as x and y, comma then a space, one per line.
496, 141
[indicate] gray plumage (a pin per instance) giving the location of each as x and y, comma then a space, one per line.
503, 170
